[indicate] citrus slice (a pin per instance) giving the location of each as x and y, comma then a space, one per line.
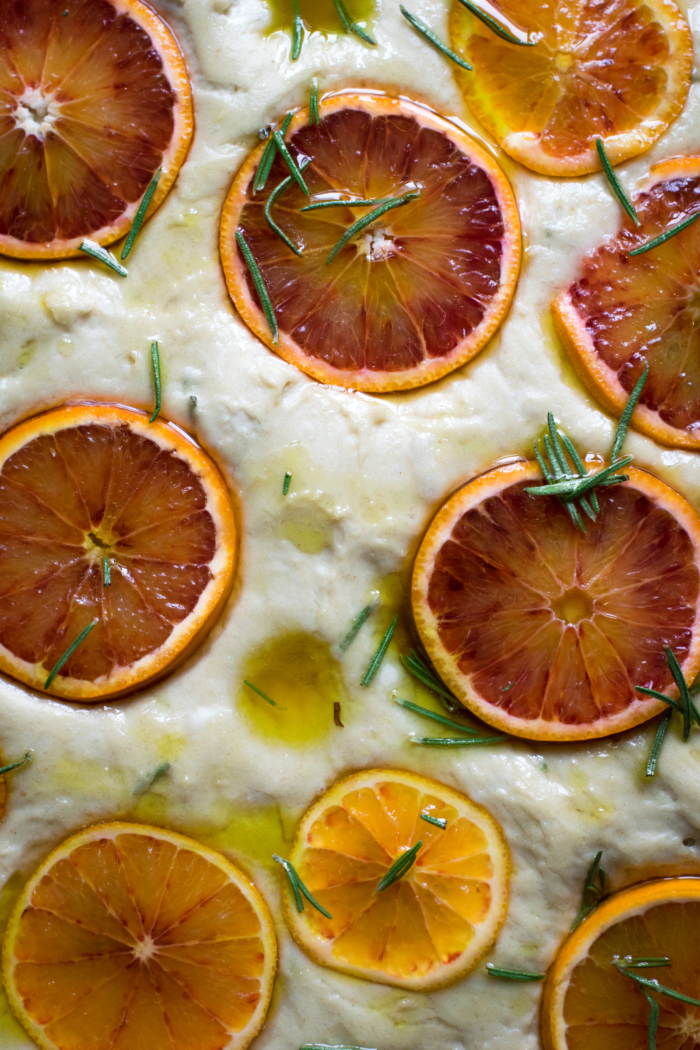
617, 71
433, 925
107, 518
544, 631
625, 310
413, 295
588, 1003
136, 938
94, 98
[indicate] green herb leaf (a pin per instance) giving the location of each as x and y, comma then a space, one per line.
435, 40
69, 652
658, 741
399, 868
439, 822
96, 251
496, 27
595, 889
350, 25
15, 765
416, 667
325, 1046
354, 202
653, 985
662, 238
148, 781
298, 887
272, 199
313, 102
259, 285
155, 361
297, 31
653, 1023
396, 202
290, 162
263, 695
106, 572
355, 628
287, 479
141, 214
645, 962
680, 681
514, 975
427, 713
623, 425
268, 158
446, 741
615, 184
379, 655
660, 696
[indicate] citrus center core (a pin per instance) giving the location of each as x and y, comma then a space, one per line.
573, 606
36, 113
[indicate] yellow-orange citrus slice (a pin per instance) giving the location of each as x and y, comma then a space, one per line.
626, 310
136, 938
544, 631
94, 98
432, 926
411, 296
89, 483
588, 1004
618, 71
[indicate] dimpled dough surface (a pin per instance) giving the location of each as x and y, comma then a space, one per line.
367, 473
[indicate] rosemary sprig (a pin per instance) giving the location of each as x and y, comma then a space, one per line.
148, 781
289, 161
15, 765
106, 572
155, 361
287, 480
356, 202
446, 741
297, 30
313, 102
435, 40
263, 695
268, 158
427, 713
615, 184
69, 652
686, 708
646, 962
298, 887
495, 26
259, 285
140, 214
623, 425
379, 655
355, 628
653, 1024
96, 251
272, 199
396, 202
653, 985
399, 868
416, 667
349, 23
663, 237
595, 889
514, 975
439, 822
658, 741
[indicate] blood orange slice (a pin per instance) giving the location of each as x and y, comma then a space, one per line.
107, 518
544, 631
619, 71
94, 98
136, 938
413, 295
625, 310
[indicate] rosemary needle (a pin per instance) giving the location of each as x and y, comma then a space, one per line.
427, 713
106, 572
272, 199
433, 38
495, 26
287, 480
448, 741
439, 822
595, 889
297, 32
658, 741
355, 628
513, 975
15, 765
263, 695
298, 887
268, 158
259, 283
68, 653
615, 184
396, 202
96, 250
623, 425
147, 782
313, 102
155, 361
648, 245
349, 24
399, 868
379, 655
289, 161
654, 986
326, 1046
356, 202
141, 214
415, 666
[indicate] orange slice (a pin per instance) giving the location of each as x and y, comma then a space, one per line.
619, 71
432, 926
544, 631
94, 98
91, 482
412, 296
625, 310
135, 938
588, 1004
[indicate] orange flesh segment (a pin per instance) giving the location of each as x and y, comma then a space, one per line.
514, 570
71, 498
135, 940
425, 920
603, 1007
435, 263
647, 307
93, 86
598, 70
